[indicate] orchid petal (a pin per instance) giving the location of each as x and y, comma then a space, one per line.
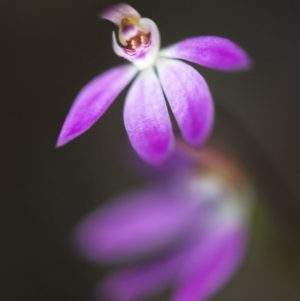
93, 100
116, 13
210, 51
211, 264
189, 98
147, 120
141, 281
147, 56
132, 225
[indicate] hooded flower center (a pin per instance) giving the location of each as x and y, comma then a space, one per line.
133, 37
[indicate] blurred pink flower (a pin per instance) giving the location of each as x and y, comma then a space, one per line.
189, 232
146, 115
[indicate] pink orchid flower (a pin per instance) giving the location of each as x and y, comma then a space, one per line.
188, 231
159, 72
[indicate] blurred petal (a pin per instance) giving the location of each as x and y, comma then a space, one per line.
171, 165
211, 264
212, 52
93, 100
189, 98
141, 281
116, 13
141, 222
146, 57
147, 119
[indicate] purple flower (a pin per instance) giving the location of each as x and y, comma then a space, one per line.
146, 114
189, 232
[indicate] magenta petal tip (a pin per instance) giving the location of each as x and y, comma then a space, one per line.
93, 100
147, 119
60, 142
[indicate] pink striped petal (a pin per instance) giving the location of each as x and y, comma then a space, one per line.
116, 13
212, 52
147, 120
134, 225
189, 98
211, 264
93, 100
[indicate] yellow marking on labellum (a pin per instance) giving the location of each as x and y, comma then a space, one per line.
142, 37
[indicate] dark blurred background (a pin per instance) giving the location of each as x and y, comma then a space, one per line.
49, 49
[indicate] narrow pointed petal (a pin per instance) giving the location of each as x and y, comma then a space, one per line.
211, 264
210, 51
141, 281
147, 119
134, 225
116, 13
93, 100
189, 98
